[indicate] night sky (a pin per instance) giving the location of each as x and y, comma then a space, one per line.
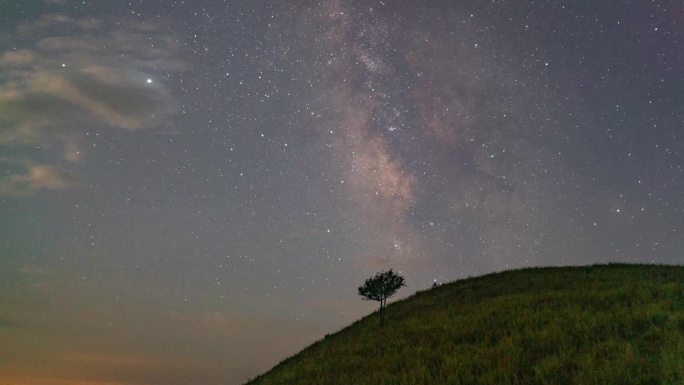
192, 191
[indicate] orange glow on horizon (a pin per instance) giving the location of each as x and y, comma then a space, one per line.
29, 380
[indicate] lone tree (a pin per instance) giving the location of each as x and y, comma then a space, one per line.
380, 287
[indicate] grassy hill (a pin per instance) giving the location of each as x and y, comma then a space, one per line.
602, 324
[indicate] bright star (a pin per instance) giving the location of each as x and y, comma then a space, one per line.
149, 81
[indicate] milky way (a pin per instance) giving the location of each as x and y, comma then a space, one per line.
192, 191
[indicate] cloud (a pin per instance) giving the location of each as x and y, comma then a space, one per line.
17, 58
37, 177
79, 74
46, 177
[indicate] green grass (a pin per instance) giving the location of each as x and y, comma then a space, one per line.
601, 324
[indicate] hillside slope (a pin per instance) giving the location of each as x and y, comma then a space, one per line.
602, 324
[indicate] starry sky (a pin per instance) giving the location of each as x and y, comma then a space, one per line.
191, 191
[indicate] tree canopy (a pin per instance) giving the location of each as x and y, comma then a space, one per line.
380, 287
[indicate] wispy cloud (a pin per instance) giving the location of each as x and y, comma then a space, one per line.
75, 75
24, 176
37, 177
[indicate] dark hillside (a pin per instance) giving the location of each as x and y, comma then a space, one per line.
602, 324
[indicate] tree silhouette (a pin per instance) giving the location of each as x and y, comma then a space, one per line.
380, 287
